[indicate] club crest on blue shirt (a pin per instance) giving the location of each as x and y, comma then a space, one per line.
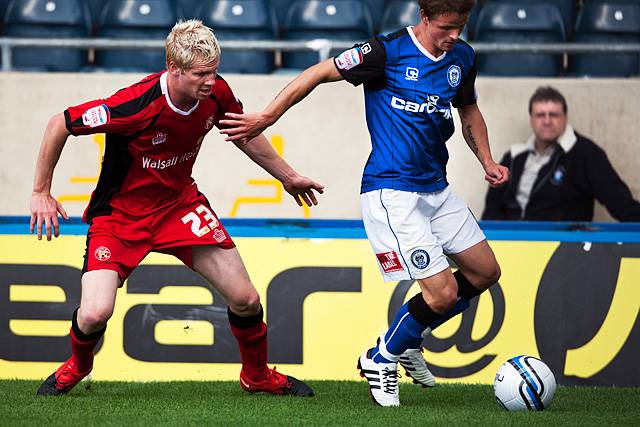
558, 176
420, 258
453, 75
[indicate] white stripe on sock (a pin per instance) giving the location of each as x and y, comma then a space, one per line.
382, 349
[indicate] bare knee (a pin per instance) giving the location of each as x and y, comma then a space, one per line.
445, 300
93, 318
441, 298
490, 276
495, 274
245, 303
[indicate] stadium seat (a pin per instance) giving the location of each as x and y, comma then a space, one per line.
3, 8
190, 7
324, 19
399, 14
470, 28
402, 13
47, 19
567, 9
242, 20
95, 9
376, 10
135, 19
520, 23
612, 24
281, 7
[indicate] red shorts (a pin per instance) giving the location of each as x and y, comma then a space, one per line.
118, 242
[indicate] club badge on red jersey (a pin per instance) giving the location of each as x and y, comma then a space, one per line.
159, 138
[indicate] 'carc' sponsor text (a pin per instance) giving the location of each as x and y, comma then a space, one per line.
431, 106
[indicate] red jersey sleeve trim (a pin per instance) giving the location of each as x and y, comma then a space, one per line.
67, 123
125, 112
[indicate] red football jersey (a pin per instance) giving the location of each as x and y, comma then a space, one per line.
151, 145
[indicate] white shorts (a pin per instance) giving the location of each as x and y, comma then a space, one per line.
410, 233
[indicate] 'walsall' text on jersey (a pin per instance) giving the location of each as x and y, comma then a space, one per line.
151, 145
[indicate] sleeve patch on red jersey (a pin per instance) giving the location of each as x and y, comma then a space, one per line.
96, 116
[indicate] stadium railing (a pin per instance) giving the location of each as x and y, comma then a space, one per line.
321, 46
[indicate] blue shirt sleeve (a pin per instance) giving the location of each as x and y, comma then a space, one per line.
466, 94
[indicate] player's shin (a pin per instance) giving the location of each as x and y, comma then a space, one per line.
82, 345
251, 334
406, 330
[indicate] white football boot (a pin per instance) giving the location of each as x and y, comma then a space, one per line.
416, 367
382, 379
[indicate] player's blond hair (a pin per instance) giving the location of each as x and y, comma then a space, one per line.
189, 41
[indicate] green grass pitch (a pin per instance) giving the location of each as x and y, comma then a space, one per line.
336, 403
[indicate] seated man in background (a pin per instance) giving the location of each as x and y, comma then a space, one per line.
558, 173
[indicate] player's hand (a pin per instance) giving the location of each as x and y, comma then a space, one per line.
495, 174
243, 127
44, 209
302, 189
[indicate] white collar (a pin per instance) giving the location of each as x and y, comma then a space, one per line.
422, 48
165, 92
567, 140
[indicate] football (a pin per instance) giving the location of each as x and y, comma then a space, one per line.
524, 383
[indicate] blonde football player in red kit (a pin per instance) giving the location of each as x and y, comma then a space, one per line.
146, 200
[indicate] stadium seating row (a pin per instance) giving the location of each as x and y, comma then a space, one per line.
504, 21
377, 9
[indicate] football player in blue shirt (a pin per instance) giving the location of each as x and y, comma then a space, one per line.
411, 78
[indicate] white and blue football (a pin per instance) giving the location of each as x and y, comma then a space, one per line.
524, 383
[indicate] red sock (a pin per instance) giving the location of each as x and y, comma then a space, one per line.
82, 351
82, 345
252, 340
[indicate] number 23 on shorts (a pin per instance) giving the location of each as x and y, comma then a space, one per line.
196, 218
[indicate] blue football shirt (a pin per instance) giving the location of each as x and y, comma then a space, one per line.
408, 98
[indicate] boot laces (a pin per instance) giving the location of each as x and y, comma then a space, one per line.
390, 380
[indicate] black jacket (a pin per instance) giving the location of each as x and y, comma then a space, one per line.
565, 188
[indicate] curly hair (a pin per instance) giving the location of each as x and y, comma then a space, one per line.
434, 8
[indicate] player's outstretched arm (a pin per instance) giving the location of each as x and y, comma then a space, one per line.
300, 187
474, 130
244, 127
44, 208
